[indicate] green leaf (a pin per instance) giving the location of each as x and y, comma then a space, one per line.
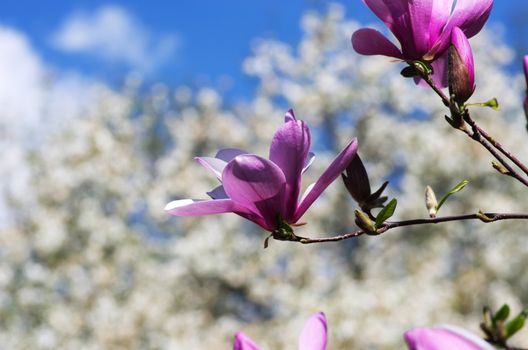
455, 189
515, 325
493, 104
502, 314
386, 212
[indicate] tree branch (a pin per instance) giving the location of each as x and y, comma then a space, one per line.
481, 136
487, 217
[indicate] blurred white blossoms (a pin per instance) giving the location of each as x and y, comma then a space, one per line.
118, 273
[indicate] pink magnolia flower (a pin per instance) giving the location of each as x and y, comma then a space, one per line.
313, 336
266, 191
423, 28
443, 338
461, 67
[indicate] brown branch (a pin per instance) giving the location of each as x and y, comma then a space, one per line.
479, 135
487, 217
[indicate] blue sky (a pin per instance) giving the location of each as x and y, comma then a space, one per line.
175, 41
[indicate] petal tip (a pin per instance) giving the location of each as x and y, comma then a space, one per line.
177, 204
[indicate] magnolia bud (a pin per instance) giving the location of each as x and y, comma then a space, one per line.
430, 201
356, 180
365, 223
461, 67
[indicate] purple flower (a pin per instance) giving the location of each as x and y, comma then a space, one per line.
444, 337
461, 67
266, 191
423, 28
313, 336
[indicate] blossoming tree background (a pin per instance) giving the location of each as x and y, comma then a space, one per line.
89, 259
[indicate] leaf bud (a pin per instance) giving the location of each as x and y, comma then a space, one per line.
365, 223
430, 201
356, 180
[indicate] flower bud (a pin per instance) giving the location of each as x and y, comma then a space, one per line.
461, 67
356, 180
430, 201
365, 223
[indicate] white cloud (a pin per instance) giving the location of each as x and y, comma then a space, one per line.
114, 35
33, 102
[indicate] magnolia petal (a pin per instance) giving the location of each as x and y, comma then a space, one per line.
289, 116
468, 15
243, 342
329, 175
367, 41
191, 207
440, 71
256, 184
227, 154
309, 160
307, 191
440, 13
289, 150
380, 9
314, 333
441, 338
427, 19
439, 75
218, 193
214, 165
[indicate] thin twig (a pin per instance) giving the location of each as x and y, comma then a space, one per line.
501, 148
488, 217
481, 136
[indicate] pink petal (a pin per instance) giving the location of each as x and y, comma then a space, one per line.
308, 162
256, 184
313, 336
426, 20
289, 150
217, 164
226, 154
191, 207
243, 342
367, 41
380, 8
440, 12
439, 72
468, 15
329, 175
214, 165
218, 193
442, 338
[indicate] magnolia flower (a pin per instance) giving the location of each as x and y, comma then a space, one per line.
461, 67
423, 29
313, 336
266, 191
443, 338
